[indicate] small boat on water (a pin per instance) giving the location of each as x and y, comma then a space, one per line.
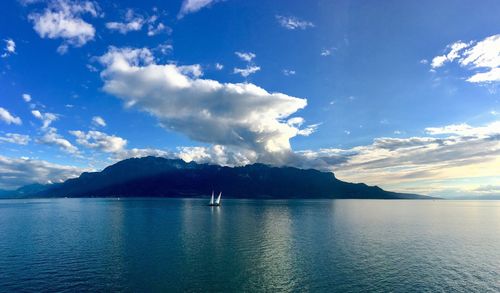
216, 202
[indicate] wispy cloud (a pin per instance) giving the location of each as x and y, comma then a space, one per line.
246, 56
156, 29
192, 6
292, 23
132, 22
482, 58
98, 121
15, 138
10, 48
219, 66
46, 118
326, 52
26, 98
454, 52
251, 68
245, 72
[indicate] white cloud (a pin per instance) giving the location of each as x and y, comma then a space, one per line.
164, 49
295, 121
155, 29
91, 68
490, 76
299, 121
293, 23
10, 48
51, 137
28, 2
123, 28
98, 121
139, 153
250, 68
46, 118
246, 56
191, 70
15, 138
125, 58
62, 19
191, 6
100, 141
230, 114
465, 129
484, 55
310, 129
454, 53
8, 118
460, 151
325, 52
245, 72
133, 22
26, 98
483, 58
219, 66
17, 172
288, 72
217, 154
487, 190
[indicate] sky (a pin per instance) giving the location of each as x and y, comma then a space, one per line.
400, 94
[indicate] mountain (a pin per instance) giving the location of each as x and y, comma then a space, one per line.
24, 191
160, 177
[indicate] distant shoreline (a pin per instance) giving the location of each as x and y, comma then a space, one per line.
207, 197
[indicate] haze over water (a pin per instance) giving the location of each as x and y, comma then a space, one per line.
140, 245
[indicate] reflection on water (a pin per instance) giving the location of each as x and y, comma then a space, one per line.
276, 255
246, 245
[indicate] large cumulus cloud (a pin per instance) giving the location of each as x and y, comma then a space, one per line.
241, 115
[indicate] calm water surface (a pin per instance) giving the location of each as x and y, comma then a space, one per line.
143, 245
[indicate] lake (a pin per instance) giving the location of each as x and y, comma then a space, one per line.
143, 245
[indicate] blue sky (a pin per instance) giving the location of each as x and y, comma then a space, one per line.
398, 94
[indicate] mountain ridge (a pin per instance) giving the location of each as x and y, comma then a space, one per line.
161, 177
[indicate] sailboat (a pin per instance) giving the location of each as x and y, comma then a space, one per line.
215, 203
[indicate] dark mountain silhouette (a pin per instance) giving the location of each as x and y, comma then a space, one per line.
160, 177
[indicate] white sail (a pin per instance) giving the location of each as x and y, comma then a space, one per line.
217, 202
212, 198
